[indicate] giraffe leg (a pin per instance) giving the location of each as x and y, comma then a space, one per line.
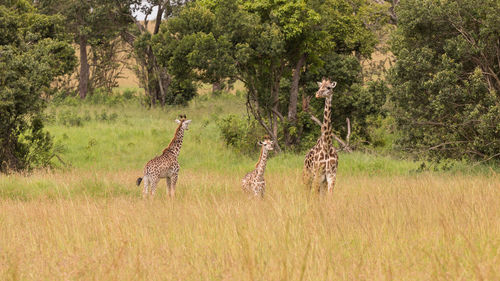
172, 187
169, 186
330, 179
154, 182
306, 177
315, 181
331, 175
318, 179
262, 190
146, 185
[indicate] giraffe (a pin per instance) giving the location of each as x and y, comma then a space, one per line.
254, 181
165, 165
320, 164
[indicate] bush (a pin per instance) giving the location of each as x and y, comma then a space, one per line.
70, 118
103, 116
240, 133
180, 92
105, 97
129, 94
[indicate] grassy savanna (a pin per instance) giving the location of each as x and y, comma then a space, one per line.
385, 221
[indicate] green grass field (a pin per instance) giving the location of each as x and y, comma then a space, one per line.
86, 220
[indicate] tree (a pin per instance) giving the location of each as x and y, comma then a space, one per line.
269, 45
446, 78
160, 86
191, 47
33, 51
95, 24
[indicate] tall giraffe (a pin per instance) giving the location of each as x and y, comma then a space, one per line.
165, 165
254, 181
320, 164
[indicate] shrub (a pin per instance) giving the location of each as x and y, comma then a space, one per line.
70, 118
240, 133
103, 96
129, 94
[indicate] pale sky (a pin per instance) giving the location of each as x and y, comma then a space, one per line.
140, 16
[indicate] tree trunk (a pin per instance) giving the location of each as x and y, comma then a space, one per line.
159, 14
275, 89
274, 114
216, 86
294, 89
155, 78
84, 68
294, 94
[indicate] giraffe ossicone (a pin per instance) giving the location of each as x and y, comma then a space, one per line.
320, 164
254, 182
166, 165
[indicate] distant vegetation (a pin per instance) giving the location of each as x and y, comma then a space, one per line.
446, 78
436, 99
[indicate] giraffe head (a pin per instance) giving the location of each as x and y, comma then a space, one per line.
325, 88
183, 122
266, 144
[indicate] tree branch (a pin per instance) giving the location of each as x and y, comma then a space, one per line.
259, 119
344, 146
348, 130
487, 159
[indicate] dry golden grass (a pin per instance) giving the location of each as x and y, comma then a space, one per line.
417, 227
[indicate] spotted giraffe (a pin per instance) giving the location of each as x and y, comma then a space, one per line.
320, 164
254, 182
165, 165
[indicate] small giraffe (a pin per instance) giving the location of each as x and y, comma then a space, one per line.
320, 164
165, 165
254, 182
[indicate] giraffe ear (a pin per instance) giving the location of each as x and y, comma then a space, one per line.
319, 84
177, 121
187, 121
260, 143
334, 84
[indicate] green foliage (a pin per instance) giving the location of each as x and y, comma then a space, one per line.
180, 92
260, 43
240, 133
446, 78
99, 96
191, 48
105, 97
32, 53
180, 89
70, 118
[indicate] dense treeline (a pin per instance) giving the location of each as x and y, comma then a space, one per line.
446, 79
439, 99
34, 51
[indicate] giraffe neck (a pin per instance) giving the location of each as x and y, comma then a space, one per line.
261, 165
175, 144
326, 127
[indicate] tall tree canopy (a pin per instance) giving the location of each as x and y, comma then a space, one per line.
446, 86
275, 47
33, 51
95, 24
160, 85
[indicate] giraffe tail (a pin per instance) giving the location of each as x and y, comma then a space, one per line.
138, 182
